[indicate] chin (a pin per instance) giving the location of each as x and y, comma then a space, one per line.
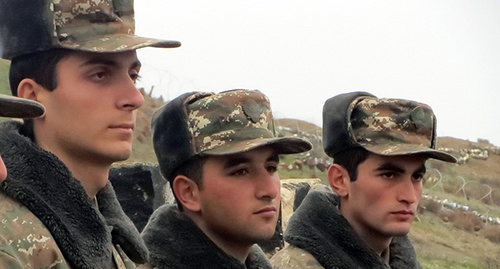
266, 234
121, 153
118, 156
400, 230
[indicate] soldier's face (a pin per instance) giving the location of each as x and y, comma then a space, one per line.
383, 201
3, 170
240, 197
91, 114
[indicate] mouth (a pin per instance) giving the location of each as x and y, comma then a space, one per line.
404, 215
267, 211
124, 127
404, 212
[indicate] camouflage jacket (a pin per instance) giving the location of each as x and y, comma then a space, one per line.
320, 237
48, 221
174, 241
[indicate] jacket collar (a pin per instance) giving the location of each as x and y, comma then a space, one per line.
42, 183
319, 228
174, 239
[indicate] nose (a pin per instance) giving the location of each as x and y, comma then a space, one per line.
409, 192
268, 186
130, 98
3, 170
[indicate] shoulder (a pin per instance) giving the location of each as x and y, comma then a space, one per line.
293, 257
24, 240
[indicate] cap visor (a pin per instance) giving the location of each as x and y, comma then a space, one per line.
407, 149
282, 145
123, 42
15, 107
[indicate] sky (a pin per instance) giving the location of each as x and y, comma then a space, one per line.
445, 53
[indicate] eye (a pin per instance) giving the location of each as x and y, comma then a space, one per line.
99, 74
240, 172
272, 168
388, 175
135, 76
418, 177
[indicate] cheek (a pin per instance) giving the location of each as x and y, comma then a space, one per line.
223, 193
3, 170
418, 191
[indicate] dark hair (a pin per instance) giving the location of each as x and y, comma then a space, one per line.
39, 66
350, 160
193, 169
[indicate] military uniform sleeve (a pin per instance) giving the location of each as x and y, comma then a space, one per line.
7, 260
292, 257
24, 240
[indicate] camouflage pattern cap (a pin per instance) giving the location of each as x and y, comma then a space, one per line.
391, 127
28, 26
15, 107
236, 121
217, 124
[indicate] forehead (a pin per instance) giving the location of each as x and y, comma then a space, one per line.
121, 58
402, 161
260, 154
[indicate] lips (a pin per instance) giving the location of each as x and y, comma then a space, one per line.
404, 212
124, 126
266, 210
404, 215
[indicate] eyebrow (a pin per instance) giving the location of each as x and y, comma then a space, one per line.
238, 159
398, 169
109, 62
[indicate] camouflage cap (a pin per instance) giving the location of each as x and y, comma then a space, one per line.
381, 126
28, 26
216, 124
15, 107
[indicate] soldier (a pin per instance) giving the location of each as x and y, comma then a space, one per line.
78, 59
219, 153
379, 148
14, 107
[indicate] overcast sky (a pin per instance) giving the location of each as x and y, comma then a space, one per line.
300, 53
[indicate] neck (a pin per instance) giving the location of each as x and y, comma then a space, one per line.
236, 249
92, 177
377, 241
92, 174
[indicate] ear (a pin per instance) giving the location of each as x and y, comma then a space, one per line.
339, 180
29, 89
187, 192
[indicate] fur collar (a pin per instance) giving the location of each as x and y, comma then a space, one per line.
42, 183
174, 241
319, 228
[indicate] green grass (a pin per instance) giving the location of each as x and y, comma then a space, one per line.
438, 244
4, 77
441, 245
440, 263
4, 80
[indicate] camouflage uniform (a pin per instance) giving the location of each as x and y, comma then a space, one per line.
24, 240
318, 234
293, 257
199, 123
176, 242
16, 107
47, 219
207, 124
85, 25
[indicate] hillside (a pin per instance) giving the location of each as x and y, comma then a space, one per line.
443, 237
456, 226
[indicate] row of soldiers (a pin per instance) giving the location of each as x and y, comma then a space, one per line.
74, 66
